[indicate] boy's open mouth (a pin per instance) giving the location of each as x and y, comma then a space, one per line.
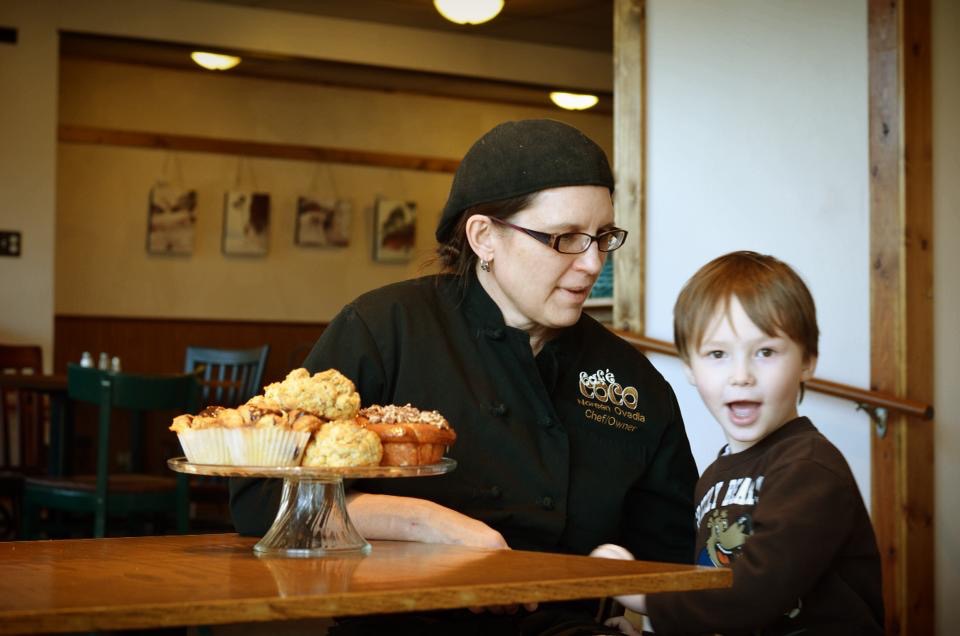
743, 412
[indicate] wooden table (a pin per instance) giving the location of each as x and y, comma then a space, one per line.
139, 582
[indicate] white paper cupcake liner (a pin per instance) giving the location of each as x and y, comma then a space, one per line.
205, 446
266, 446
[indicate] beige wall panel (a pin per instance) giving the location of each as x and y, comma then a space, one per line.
102, 265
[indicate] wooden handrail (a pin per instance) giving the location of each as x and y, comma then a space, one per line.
859, 396
194, 143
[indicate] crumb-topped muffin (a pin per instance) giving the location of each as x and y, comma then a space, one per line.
343, 443
328, 394
410, 437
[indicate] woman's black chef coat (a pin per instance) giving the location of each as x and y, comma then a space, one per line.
581, 445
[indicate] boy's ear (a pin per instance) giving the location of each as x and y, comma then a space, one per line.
687, 371
809, 366
479, 231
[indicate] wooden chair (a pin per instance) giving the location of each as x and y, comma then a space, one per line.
111, 493
22, 424
228, 377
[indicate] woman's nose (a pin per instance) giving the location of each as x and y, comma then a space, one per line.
591, 261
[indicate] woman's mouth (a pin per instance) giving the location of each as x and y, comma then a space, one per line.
577, 294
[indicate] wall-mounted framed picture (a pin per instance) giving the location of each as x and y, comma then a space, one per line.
171, 219
395, 230
322, 222
246, 223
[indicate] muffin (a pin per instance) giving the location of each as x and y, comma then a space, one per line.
258, 433
343, 443
410, 437
270, 436
203, 436
327, 394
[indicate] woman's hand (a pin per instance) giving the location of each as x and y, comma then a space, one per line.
409, 519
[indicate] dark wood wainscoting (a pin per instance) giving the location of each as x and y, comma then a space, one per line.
158, 345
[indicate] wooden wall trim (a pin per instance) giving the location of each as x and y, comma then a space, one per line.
629, 153
901, 302
194, 143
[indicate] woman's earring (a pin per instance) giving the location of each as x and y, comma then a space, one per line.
484, 265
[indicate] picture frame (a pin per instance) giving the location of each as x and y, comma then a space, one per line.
322, 222
246, 223
171, 219
395, 230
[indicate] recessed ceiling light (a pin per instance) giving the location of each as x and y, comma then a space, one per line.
214, 61
468, 11
573, 101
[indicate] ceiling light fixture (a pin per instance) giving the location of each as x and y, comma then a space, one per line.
468, 11
214, 61
573, 101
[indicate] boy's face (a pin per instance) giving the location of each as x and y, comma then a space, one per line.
749, 380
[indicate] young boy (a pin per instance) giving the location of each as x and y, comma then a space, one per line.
779, 505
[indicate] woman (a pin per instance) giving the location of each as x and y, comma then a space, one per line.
568, 438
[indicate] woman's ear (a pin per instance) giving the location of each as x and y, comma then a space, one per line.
479, 231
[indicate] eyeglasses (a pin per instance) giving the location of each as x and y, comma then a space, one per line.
573, 242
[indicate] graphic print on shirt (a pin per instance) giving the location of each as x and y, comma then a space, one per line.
606, 402
725, 539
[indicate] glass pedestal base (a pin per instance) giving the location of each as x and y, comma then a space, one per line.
312, 522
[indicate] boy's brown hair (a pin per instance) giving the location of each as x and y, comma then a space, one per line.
773, 295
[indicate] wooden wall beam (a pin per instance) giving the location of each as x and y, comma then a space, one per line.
901, 300
629, 159
193, 143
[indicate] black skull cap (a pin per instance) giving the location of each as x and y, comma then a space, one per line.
520, 157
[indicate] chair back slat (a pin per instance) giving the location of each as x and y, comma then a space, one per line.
229, 377
23, 417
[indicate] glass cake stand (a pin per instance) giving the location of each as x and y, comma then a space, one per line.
312, 520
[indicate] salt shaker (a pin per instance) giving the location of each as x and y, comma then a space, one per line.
115, 364
86, 360
104, 363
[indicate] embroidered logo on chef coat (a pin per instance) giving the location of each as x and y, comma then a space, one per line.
607, 402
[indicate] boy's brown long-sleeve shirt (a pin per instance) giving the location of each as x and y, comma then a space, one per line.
786, 516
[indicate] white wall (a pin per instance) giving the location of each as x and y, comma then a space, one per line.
946, 223
758, 140
28, 77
